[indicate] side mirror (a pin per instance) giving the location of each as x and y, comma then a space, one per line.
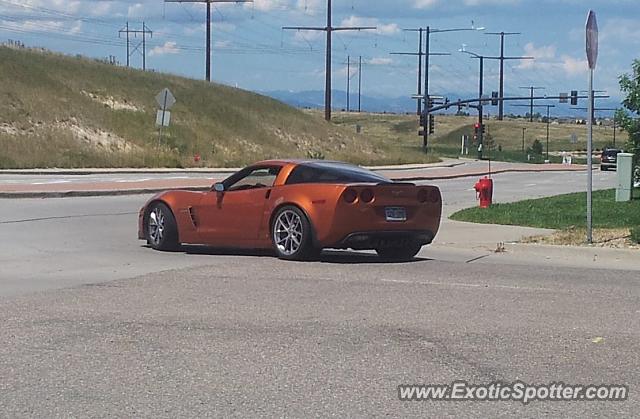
218, 187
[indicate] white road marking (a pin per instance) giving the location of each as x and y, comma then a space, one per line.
465, 285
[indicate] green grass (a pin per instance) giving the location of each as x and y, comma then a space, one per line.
559, 212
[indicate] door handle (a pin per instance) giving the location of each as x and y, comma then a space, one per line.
268, 194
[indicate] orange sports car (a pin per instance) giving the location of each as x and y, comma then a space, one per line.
298, 208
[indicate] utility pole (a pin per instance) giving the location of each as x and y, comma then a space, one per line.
419, 54
208, 24
126, 30
329, 29
532, 89
502, 59
427, 102
144, 32
360, 84
348, 80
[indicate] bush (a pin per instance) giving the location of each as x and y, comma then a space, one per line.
635, 234
537, 147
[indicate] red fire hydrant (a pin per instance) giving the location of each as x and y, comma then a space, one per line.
484, 191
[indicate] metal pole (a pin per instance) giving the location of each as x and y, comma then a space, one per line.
360, 84
144, 47
327, 93
590, 162
208, 47
480, 107
548, 120
420, 73
348, 80
531, 106
614, 131
523, 130
425, 139
501, 104
128, 53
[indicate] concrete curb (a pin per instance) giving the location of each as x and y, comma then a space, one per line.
146, 191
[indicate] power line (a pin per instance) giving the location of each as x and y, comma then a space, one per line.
329, 29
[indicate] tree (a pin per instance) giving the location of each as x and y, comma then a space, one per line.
629, 118
537, 147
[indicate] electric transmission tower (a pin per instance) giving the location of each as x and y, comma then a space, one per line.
144, 32
329, 29
208, 24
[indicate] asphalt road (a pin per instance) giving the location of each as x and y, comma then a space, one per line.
95, 324
56, 243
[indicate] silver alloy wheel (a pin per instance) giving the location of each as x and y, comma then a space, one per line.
156, 226
287, 232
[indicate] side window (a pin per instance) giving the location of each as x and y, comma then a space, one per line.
262, 177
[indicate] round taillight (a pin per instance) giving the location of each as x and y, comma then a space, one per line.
423, 196
366, 196
350, 196
434, 195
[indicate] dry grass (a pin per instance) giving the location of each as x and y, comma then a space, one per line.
605, 237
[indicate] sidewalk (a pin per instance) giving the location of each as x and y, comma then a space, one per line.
64, 183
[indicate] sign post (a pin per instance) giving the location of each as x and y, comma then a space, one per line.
165, 101
592, 58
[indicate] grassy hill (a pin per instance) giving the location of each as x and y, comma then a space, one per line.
507, 134
61, 111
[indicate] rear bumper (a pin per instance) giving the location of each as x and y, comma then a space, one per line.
366, 240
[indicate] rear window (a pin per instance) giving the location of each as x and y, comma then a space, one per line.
610, 153
327, 172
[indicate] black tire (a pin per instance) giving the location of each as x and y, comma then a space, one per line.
603, 169
166, 237
285, 242
399, 254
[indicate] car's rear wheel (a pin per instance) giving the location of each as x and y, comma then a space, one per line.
603, 168
291, 234
400, 254
161, 229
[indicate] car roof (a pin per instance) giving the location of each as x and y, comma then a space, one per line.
298, 162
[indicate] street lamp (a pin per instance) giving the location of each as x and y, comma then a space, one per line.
428, 31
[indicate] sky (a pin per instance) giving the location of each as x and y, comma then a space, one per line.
252, 51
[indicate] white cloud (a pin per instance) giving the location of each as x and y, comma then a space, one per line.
382, 29
380, 61
546, 59
222, 44
168, 47
424, 4
574, 66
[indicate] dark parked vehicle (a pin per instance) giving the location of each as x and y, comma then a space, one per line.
609, 159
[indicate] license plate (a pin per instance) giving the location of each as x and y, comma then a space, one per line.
395, 214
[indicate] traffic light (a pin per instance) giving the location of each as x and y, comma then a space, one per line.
476, 128
422, 119
483, 128
432, 124
574, 97
494, 98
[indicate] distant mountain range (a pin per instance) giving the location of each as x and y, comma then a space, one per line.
404, 104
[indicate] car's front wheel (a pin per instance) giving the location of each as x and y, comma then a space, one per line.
399, 254
161, 229
291, 234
